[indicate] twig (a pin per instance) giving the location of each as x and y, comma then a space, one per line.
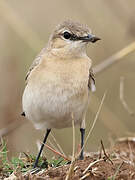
58, 153
73, 125
122, 99
71, 168
131, 156
114, 58
100, 152
54, 151
94, 122
107, 157
104, 118
53, 146
85, 176
58, 145
92, 164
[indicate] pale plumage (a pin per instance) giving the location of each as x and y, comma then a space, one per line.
59, 80
53, 93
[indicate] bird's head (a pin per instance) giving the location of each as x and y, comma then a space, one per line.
71, 38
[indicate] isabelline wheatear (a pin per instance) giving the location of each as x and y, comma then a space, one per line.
59, 80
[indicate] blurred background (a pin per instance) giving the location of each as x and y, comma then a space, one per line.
25, 27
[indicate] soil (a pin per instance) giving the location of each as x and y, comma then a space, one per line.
116, 163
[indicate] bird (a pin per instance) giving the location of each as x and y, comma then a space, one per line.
59, 81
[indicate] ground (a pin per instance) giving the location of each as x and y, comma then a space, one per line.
115, 163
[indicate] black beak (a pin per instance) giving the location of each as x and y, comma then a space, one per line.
90, 38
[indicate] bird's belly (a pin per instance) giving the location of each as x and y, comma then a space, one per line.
53, 105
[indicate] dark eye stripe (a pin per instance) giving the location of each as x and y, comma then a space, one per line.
68, 35
72, 37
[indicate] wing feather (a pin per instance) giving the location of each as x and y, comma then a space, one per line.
35, 63
91, 81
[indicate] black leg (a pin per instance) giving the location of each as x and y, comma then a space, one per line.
82, 141
42, 146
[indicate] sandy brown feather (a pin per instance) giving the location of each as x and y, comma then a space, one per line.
35, 63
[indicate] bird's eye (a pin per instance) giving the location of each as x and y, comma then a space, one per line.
66, 35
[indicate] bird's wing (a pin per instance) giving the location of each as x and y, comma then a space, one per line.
35, 63
91, 81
